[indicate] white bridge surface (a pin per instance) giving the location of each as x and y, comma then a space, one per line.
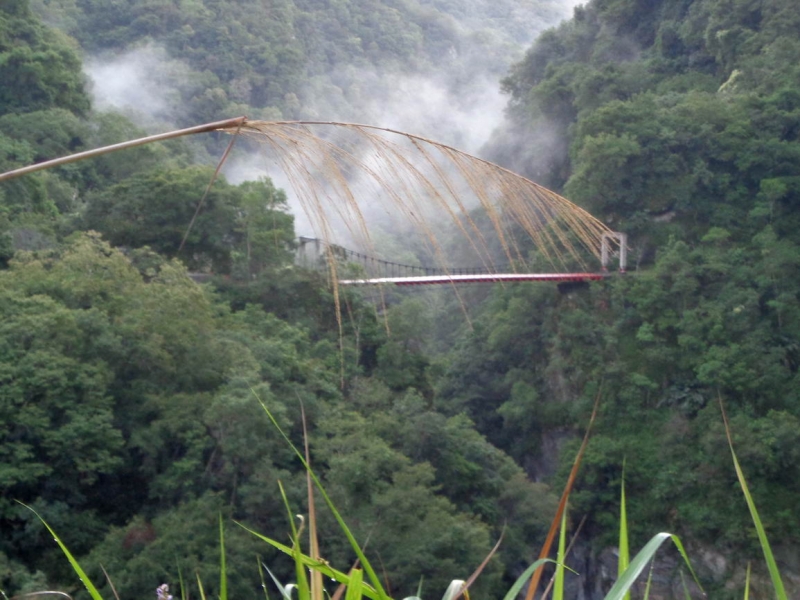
480, 278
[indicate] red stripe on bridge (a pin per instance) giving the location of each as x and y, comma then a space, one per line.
484, 278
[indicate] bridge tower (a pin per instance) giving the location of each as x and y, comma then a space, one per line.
620, 239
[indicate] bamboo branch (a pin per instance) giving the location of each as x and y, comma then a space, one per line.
415, 175
64, 160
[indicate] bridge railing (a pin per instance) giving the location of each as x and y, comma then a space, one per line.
314, 253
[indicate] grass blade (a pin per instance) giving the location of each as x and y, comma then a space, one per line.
355, 589
223, 572
110, 583
747, 583
548, 543
523, 579
184, 594
454, 590
310, 563
639, 562
686, 593
35, 595
546, 593
373, 577
339, 593
261, 577
75, 566
418, 596
313, 543
481, 566
303, 589
200, 586
772, 566
649, 581
558, 589
624, 552
286, 591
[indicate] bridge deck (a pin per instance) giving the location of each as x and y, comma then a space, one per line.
483, 278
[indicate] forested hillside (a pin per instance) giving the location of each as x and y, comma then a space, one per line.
301, 58
678, 123
127, 412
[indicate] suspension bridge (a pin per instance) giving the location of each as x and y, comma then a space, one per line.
313, 252
412, 174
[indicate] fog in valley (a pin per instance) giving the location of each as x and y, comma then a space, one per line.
456, 100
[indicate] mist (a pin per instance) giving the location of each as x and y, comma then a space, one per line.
144, 84
456, 101
416, 104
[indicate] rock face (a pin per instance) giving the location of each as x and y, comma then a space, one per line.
544, 464
720, 572
597, 573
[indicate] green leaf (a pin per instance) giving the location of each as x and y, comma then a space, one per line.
747, 583
558, 588
75, 566
184, 595
772, 566
373, 577
686, 593
223, 573
356, 586
296, 553
624, 552
639, 562
454, 590
311, 563
261, 567
649, 581
200, 587
524, 578
286, 591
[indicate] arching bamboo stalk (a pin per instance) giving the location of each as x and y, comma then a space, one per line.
414, 175
65, 160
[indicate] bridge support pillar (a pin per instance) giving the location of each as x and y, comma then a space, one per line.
621, 240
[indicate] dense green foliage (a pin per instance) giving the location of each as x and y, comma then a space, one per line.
127, 408
129, 393
44, 69
282, 57
678, 123
238, 229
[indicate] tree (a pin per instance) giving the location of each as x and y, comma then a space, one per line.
265, 232
241, 229
45, 70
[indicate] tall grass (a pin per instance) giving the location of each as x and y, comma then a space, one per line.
561, 558
772, 565
624, 552
364, 582
87, 583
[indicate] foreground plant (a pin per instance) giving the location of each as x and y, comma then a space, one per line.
364, 582
459, 588
772, 565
